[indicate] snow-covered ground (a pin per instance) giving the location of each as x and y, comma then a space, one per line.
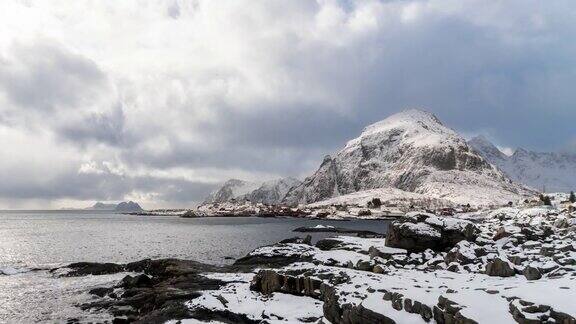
392, 196
520, 266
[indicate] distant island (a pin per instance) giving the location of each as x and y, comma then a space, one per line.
125, 206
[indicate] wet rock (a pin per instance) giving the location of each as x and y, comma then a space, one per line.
93, 268
136, 281
294, 239
499, 268
101, 291
298, 240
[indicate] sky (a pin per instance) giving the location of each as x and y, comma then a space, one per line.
159, 101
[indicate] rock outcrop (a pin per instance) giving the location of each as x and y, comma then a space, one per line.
420, 231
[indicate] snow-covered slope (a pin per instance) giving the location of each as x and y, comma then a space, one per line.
389, 195
552, 171
269, 192
412, 151
272, 192
231, 189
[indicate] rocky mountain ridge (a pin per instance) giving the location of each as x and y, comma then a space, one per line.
546, 171
268, 192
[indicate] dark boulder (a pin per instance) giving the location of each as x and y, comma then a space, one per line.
101, 291
531, 273
298, 240
269, 281
92, 268
136, 281
327, 244
499, 268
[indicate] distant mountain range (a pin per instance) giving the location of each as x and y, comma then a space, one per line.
551, 172
125, 206
411, 151
270, 192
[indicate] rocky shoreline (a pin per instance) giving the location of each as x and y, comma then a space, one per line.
520, 263
252, 209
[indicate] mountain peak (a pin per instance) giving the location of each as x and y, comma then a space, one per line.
412, 127
416, 114
406, 118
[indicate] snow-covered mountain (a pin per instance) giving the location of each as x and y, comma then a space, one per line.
412, 151
552, 171
231, 189
269, 192
272, 192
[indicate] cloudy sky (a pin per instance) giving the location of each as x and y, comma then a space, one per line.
159, 100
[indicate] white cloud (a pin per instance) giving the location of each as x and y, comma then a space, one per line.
193, 92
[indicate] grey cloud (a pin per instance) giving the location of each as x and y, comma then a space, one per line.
106, 187
105, 128
174, 10
474, 79
282, 141
45, 76
468, 74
